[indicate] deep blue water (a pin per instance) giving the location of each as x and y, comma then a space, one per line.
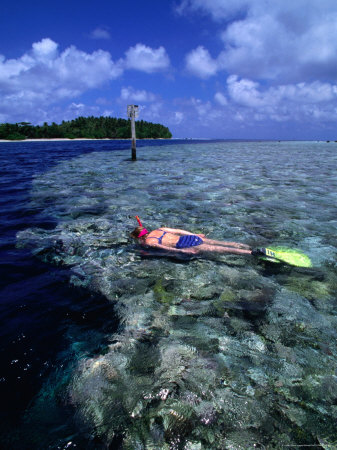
105, 345
41, 314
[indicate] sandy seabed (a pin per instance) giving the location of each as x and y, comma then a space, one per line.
218, 352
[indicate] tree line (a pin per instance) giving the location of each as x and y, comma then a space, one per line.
84, 127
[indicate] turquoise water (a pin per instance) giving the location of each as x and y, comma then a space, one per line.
214, 352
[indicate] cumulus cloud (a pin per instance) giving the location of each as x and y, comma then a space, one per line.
203, 112
44, 50
247, 108
290, 41
202, 108
284, 55
249, 93
100, 33
45, 75
177, 118
218, 9
200, 63
221, 99
73, 110
128, 94
154, 111
146, 59
302, 102
245, 92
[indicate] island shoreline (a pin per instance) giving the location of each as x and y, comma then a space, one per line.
81, 139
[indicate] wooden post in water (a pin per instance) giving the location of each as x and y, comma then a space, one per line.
132, 114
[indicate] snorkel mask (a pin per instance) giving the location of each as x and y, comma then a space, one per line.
144, 231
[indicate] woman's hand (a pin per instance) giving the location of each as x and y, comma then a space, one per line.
201, 235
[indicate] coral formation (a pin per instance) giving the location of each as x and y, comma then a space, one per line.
210, 353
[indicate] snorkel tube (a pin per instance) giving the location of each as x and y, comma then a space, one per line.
144, 230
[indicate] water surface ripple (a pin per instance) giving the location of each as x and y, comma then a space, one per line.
213, 352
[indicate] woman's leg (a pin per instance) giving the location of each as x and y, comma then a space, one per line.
225, 244
222, 249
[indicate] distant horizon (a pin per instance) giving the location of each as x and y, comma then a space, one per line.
173, 139
248, 69
249, 139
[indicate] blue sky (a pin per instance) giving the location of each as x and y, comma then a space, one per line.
259, 69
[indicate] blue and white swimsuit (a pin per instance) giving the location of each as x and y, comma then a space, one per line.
185, 241
189, 240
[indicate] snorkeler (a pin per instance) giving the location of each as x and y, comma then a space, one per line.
176, 240
182, 241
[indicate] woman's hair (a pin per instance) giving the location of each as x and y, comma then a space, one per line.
136, 232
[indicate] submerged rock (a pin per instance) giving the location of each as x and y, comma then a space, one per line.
219, 352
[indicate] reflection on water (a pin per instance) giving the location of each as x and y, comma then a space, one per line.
223, 352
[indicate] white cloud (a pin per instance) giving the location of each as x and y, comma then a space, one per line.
71, 111
129, 94
54, 113
200, 63
146, 59
86, 70
178, 117
249, 109
44, 75
221, 99
256, 109
108, 113
284, 55
284, 41
44, 50
154, 111
218, 9
202, 108
249, 93
300, 102
245, 92
100, 33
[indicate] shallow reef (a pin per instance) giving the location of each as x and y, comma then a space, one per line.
218, 352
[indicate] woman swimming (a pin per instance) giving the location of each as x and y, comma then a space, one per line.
176, 240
